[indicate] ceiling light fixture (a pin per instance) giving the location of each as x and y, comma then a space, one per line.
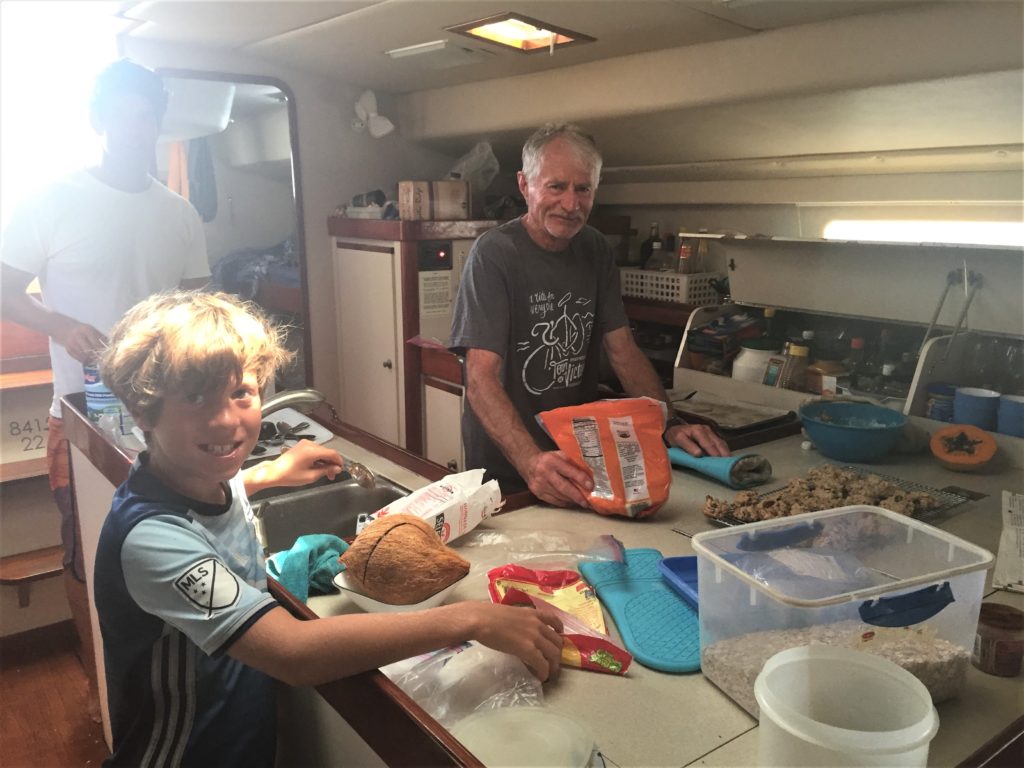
440, 54
521, 33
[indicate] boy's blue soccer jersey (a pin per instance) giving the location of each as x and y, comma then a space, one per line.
176, 582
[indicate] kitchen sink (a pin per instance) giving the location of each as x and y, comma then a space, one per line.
326, 506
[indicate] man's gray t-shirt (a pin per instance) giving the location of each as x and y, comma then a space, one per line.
545, 314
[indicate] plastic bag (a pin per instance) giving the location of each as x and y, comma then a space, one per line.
539, 548
620, 443
479, 166
454, 505
455, 682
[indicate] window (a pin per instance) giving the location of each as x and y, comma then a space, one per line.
49, 55
927, 231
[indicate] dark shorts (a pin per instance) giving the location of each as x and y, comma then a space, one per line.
59, 468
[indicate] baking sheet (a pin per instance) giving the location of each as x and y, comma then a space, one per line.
946, 499
726, 414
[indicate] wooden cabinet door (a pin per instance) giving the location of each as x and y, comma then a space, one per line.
369, 360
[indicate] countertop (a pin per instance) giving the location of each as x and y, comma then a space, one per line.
646, 717
651, 718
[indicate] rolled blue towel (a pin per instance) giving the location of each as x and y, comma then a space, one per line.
310, 565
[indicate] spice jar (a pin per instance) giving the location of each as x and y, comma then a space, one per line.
999, 644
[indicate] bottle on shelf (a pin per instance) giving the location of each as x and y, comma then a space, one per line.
807, 340
685, 262
769, 323
700, 256
648, 245
864, 373
794, 370
658, 259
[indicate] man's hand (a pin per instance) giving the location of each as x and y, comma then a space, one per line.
81, 340
551, 477
697, 440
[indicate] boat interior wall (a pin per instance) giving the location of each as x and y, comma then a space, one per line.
344, 162
718, 89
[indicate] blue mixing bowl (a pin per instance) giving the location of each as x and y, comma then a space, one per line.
858, 432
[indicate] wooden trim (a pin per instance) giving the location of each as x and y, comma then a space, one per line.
441, 364
396, 229
61, 633
409, 265
663, 312
444, 386
22, 569
19, 470
364, 247
111, 461
394, 725
26, 379
32, 566
1003, 750
25, 363
278, 297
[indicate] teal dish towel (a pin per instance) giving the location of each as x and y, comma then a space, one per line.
309, 566
734, 471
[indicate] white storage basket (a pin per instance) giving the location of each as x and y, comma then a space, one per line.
670, 286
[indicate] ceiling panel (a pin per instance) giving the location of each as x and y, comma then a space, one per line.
221, 24
352, 47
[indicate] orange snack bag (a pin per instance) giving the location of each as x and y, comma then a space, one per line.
620, 443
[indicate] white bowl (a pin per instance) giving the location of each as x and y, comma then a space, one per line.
370, 605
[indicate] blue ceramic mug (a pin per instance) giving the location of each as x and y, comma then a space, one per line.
976, 406
1010, 417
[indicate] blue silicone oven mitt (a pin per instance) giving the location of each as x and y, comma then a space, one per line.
657, 626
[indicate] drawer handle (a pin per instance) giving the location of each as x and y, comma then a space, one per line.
387, 364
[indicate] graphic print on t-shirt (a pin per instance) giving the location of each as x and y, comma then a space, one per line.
556, 352
210, 585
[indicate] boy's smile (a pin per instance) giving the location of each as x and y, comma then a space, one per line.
201, 440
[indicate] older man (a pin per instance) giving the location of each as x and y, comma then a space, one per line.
539, 297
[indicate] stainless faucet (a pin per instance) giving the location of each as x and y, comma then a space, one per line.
303, 400
300, 399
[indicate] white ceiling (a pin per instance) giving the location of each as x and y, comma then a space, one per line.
348, 39
971, 122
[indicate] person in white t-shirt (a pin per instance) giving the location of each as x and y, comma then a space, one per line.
99, 241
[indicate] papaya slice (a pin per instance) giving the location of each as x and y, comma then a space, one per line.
962, 447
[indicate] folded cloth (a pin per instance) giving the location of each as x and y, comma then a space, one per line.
310, 565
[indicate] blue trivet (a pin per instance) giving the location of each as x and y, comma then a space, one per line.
657, 626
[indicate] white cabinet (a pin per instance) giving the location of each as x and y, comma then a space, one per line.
370, 357
442, 417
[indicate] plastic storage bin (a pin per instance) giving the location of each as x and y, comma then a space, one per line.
858, 577
670, 286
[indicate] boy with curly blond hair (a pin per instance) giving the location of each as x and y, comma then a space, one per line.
192, 639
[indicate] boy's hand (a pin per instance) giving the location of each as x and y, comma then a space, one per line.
301, 464
534, 635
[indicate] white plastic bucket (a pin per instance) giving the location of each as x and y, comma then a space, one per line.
839, 707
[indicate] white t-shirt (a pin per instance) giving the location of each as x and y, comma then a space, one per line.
98, 251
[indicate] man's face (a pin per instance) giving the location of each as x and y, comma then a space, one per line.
129, 127
559, 198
